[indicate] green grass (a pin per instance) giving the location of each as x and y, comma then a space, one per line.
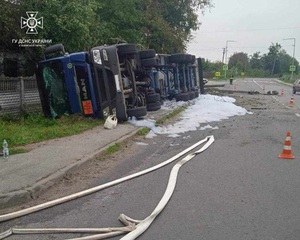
17, 151
142, 132
287, 78
171, 115
35, 127
113, 148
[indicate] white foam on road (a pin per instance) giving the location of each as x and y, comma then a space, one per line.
205, 109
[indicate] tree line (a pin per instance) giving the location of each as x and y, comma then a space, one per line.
275, 63
163, 25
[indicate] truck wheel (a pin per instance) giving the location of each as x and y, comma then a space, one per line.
192, 95
182, 97
137, 112
149, 62
153, 97
121, 113
150, 53
193, 58
154, 106
127, 49
177, 58
55, 49
189, 58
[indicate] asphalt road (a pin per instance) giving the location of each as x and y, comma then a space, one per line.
238, 189
265, 85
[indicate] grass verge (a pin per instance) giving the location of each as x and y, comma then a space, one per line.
143, 131
36, 128
113, 148
171, 115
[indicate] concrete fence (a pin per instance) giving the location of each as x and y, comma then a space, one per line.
19, 95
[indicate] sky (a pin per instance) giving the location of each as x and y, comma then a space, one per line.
196, 117
253, 24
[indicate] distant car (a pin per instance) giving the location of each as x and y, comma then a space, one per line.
296, 87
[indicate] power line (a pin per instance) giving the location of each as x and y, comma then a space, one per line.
249, 30
235, 47
209, 49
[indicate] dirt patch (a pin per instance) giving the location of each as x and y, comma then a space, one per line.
249, 101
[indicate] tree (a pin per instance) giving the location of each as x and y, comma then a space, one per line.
270, 60
164, 25
284, 62
255, 61
9, 24
66, 22
210, 68
169, 23
239, 60
120, 21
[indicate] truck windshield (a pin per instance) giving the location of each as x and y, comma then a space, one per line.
55, 90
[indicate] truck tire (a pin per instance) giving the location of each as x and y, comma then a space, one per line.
137, 112
192, 95
127, 49
177, 58
193, 58
154, 106
155, 97
182, 97
121, 112
55, 49
149, 62
150, 53
188, 58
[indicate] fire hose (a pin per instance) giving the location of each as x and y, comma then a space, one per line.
134, 227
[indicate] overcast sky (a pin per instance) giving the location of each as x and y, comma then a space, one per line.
253, 24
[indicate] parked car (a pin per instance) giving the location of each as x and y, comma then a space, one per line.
296, 87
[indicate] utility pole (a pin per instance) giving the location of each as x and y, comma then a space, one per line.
226, 50
223, 55
294, 46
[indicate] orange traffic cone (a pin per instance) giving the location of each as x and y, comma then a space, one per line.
281, 93
287, 148
292, 101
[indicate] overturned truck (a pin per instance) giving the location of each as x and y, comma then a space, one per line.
117, 79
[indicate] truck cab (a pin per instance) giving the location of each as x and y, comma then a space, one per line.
65, 84
96, 83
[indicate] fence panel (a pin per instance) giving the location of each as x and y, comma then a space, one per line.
19, 94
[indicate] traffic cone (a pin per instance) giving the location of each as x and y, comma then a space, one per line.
292, 101
281, 93
287, 148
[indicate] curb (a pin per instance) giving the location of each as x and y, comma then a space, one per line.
214, 85
284, 83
